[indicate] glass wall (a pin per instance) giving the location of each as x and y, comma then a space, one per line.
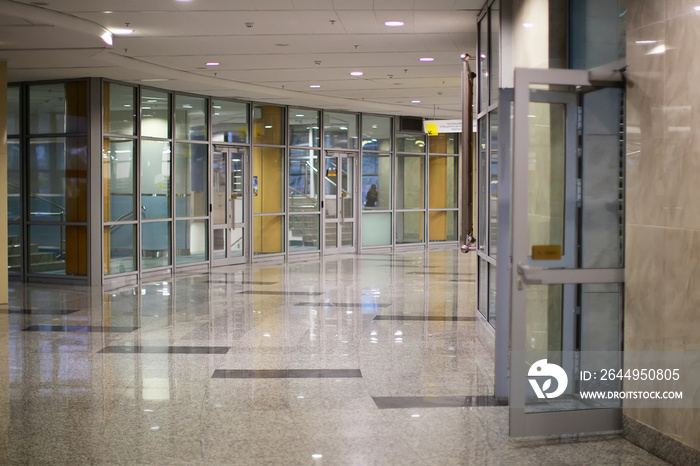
15, 254
57, 183
443, 185
377, 180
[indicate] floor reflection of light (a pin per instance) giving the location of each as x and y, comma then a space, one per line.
317, 456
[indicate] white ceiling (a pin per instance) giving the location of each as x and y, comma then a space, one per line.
275, 60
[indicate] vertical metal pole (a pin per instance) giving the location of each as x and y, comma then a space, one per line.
467, 144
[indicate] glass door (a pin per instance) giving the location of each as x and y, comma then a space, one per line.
339, 202
566, 293
229, 209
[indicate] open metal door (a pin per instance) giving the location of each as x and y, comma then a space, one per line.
567, 269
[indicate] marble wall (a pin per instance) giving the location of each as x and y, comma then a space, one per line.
662, 310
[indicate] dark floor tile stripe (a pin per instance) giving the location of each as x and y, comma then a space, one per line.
464, 281
401, 402
165, 349
283, 293
44, 312
78, 329
285, 373
369, 305
427, 318
437, 273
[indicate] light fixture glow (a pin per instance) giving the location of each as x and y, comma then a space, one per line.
317, 456
121, 31
213, 63
426, 59
645, 42
697, 8
356, 73
528, 25
315, 86
393, 24
107, 38
415, 101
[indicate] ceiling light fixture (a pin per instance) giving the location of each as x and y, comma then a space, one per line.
213, 63
315, 86
528, 25
121, 31
393, 24
426, 59
356, 73
415, 101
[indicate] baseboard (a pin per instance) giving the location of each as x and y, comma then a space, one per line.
656, 443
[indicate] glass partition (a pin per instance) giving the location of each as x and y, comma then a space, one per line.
377, 133
119, 116
14, 181
191, 118
58, 108
446, 143
155, 113
155, 244
410, 142
229, 122
376, 181
13, 110
155, 179
304, 128
340, 130
118, 179
409, 181
303, 180
191, 188
268, 125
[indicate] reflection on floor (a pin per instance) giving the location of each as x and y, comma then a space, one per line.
384, 363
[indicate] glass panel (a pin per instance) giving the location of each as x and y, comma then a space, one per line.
443, 182
190, 241
155, 244
409, 227
303, 180
494, 74
14, 180
238, 157
268, 180
447, 143
58, 108
219, 246
191, 199
219, 186
268, 235
58, 179
331, 235
304, 127
14, 247
57, 249
120, 248
155, 113
482, 174
119, 109
546, 174
118, 179
13, 110
340, 130
376, 181
347, 185
376, 133
236, 241
483, 287
229, 122
347, 231
492, 294
414, 143
155, 179
443, 225
409, 181
191, 118
493, 185
376, 229
331, 196
268, 125
304, 233
483, 64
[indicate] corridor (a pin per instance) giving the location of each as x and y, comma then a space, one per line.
353, 359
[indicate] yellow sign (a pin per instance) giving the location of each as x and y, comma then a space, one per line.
431, 129
550, 252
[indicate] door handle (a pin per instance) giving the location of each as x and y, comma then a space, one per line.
541, 276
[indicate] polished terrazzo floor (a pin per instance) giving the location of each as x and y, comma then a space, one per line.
367, 360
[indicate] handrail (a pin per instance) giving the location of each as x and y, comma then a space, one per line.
467, 153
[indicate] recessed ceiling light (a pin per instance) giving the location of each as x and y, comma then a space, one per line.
356, 73
697, 8
393, 24
415, 101
213, 63
427, 59
315, 86
645, 42
121, 31
300, 116
107, 12
107, 38
528, 25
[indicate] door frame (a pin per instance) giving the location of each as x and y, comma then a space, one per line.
228, 149
354, 158
524, 423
